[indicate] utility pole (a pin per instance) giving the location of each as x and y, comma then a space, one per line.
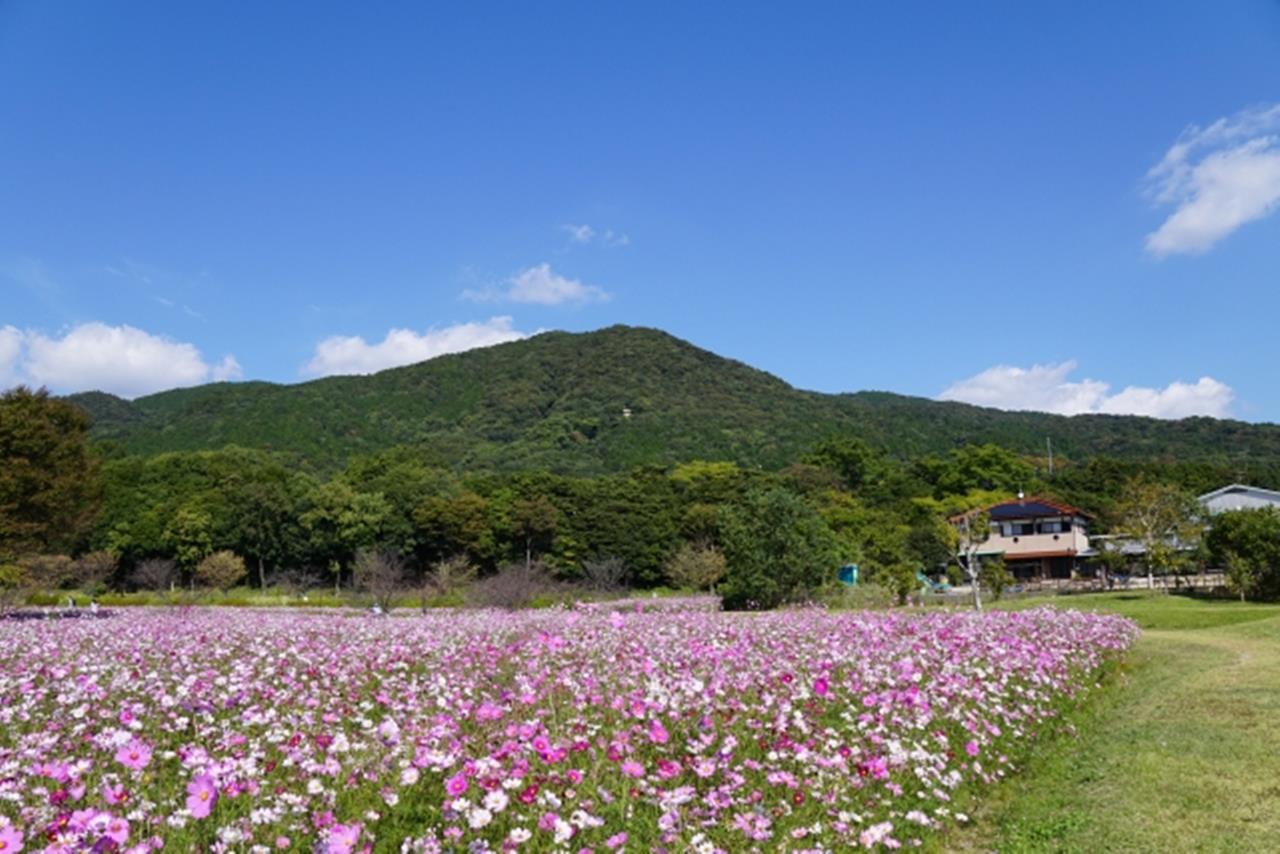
1048, 443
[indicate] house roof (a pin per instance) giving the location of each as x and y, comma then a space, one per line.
1030, 507
1238, 488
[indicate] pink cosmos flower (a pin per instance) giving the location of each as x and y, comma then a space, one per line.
342, 839
616, 841
134, 755
10, 840
668, 769
658, 733
632, 768
821, 686
118, 830
971, 747
456, 785
202, 794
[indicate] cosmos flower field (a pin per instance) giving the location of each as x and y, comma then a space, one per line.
585, 729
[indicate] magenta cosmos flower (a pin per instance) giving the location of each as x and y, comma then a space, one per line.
135, 755
202, 794
10, 840
456, 785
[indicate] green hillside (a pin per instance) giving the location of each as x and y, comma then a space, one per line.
556, 402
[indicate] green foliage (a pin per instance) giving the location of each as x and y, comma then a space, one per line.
777, 550
977, 467
189, 536
555, 402
458, 524
12, 575
861, 597
1165, 519
1247, 544
535, 521
341, 521
994, 576
50, 485
221, 570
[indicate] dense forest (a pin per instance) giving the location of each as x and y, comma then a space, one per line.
623, 453
559, 402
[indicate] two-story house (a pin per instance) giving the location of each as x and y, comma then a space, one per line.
1037, 537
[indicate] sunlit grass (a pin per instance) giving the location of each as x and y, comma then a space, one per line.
1182, 754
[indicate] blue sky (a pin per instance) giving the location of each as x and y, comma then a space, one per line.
1068, 208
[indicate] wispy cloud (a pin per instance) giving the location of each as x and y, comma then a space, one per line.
1047, 388
584, 234
539, 285
353, 355
1217, 179
122, 360
579, 233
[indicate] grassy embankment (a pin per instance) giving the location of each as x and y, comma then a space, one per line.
1182, 753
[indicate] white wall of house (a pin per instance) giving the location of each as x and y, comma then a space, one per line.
1239, 497
1076, 540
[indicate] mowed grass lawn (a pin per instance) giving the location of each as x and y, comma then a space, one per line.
1180, 753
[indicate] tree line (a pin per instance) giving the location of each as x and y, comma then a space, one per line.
244, 516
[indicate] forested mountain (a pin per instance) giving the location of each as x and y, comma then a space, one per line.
556, 402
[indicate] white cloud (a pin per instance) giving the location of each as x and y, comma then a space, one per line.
94, 356
1217, 179
226, 370
353, 355
1047, 388
586, 234
10, 353
579, 233
539, 285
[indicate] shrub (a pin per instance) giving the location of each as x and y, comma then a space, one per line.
48, 572
898, 578
696, 566
994, 576
296, 581
515, 586
1247, 544
777, 549
451, 574
221, 570
93, 570
862, 597
380, 574
604, 575
13, 586
156, 573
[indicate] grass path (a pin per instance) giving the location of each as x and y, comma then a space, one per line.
1180, 753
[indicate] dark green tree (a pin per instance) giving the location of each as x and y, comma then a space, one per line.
535, 521
777, 550
1247, 544
50, 484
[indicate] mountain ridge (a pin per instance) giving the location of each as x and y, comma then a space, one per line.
557, 400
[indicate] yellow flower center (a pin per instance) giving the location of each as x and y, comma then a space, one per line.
204, 794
